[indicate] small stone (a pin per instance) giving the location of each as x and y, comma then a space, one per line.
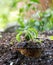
11, 63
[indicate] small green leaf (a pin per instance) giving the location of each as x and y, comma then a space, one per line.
18, 36
37, 1
20, 22
51, 37
27, 36
34, 31
21, 10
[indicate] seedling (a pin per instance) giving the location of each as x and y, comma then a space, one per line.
27, 30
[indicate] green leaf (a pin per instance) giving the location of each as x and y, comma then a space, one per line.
18, 36
21, 10
20, 22
34, 31
31, 35
37, 1
51, 37
27, 36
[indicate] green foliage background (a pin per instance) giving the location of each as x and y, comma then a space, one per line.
9, 13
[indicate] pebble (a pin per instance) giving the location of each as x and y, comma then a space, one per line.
11, 63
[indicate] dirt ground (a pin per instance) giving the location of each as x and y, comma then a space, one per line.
10, 56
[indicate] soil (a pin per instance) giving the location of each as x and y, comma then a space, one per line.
9, 55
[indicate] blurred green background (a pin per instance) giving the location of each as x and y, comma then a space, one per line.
8, 13
11, 10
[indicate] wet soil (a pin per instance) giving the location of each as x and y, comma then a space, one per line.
9, 55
